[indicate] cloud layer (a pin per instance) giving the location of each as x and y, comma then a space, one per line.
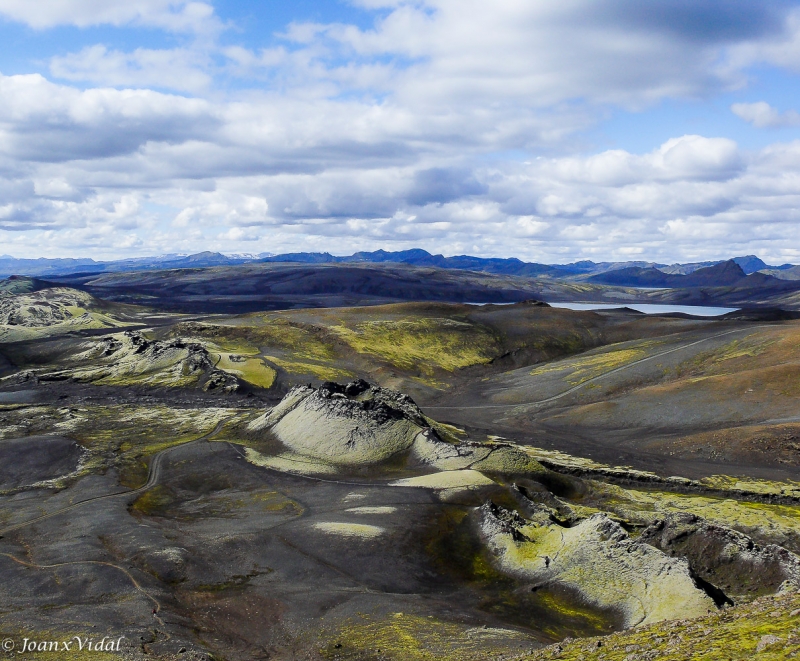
173, 15
454, 125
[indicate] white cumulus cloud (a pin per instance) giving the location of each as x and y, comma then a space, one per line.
762, 115
445, 123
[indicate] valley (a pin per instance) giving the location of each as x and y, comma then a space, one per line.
384, 479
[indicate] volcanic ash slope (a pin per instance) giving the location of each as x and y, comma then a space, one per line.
356, 424
598, 559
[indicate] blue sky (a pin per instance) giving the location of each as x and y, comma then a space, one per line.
706, 115
666, 131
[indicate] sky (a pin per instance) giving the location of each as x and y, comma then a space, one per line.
666, 130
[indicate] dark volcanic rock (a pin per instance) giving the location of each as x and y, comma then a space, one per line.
727, 559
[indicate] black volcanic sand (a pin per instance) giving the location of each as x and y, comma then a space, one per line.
25, 461
238, 558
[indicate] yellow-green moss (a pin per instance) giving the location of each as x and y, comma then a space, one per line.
571, 609
752, 485
406, 637
266, 331
509, 461
130, 434
737, 354
88, 321
422, 344
289, 462
456, 549
449, 433
153, 502
275, 501
250, 369
322, 372
765, 520
737, 634
583, 368
455, 479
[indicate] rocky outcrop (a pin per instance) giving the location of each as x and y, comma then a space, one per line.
600, 561
131, 358
42, 308
502, 458
729, 560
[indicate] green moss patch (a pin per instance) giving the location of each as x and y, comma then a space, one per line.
553, 612
765, 629
423, 344
154, 502
406, 637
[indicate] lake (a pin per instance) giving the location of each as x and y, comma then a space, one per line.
18, 397
649, 308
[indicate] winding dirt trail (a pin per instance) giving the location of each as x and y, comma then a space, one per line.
573, 389
153, 477
130, 576
154, 474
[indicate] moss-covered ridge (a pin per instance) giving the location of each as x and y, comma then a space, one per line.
765, 629
43, 308
28, 312
412, 345
132, 358
724, 557
597, 558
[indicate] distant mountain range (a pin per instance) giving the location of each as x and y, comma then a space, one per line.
419, 257
724, 274
637, 273
51, 267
